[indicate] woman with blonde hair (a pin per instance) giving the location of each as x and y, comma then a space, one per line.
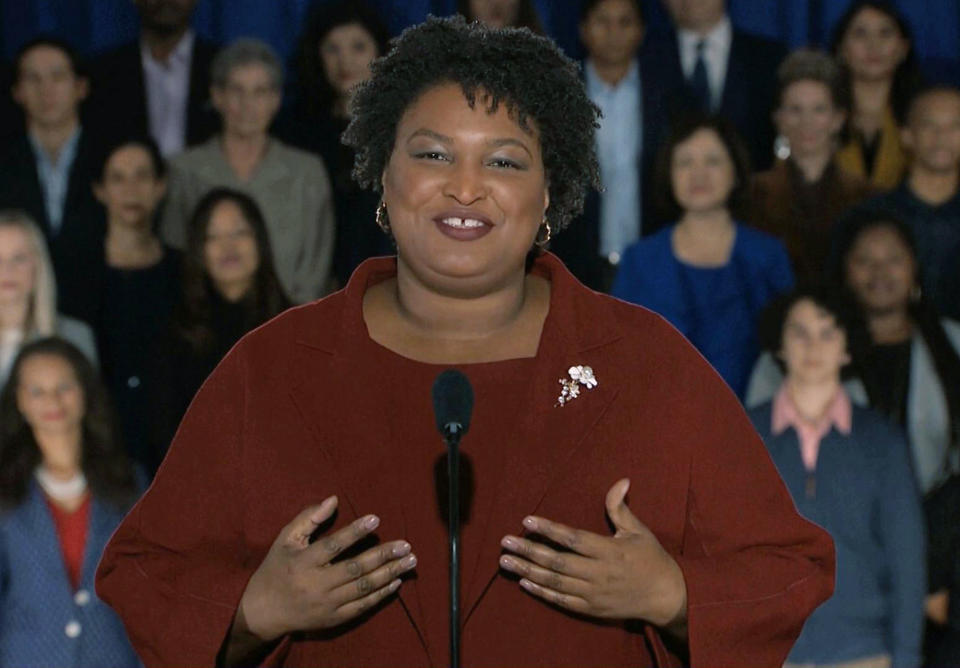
28, 293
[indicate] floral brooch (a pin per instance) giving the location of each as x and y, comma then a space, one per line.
579, 375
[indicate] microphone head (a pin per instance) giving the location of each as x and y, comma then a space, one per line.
452, 403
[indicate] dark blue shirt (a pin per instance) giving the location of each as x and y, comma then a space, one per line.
715, 308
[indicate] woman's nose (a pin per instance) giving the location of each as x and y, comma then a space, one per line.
465, 184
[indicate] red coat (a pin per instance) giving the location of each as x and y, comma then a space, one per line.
307, 406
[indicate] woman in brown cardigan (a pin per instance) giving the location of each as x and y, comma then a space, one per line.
804, 193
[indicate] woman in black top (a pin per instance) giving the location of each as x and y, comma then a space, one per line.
334, 53
912, 374
229, 288
134, 281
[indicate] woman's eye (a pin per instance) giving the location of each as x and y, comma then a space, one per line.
431, 155
505, 163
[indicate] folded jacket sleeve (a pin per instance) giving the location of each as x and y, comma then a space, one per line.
754, 568
177, 566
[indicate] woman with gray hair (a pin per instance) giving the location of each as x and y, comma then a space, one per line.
801, 196
289, 185
28, 293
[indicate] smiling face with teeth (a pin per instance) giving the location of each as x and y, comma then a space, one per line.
465, 191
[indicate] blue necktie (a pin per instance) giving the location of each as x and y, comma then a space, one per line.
698, 82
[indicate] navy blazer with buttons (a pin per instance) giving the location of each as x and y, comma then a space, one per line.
43, 621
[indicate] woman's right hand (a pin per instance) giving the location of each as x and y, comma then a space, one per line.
297, 588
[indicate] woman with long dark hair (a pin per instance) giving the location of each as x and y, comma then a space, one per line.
336, 47
65, 483
912, 370
873, 43
229, 288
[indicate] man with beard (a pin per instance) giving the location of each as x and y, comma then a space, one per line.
158, 85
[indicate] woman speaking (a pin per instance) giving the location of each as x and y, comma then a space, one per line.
295, 520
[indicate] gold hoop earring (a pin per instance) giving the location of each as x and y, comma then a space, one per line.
542, 243
382, 222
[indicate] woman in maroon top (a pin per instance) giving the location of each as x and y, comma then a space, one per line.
481, 143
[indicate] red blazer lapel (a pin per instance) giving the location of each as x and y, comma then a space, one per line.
357, 458
575, 334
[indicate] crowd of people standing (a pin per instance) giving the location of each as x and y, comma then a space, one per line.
796, 216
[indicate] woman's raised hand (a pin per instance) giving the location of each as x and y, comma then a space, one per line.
298, 588
625, 576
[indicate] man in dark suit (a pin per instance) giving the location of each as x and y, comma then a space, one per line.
159, 85
46, 169
719, 69
626, 90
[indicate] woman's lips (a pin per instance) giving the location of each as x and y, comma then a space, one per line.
462, 229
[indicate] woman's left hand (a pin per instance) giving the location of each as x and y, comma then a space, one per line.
626, 576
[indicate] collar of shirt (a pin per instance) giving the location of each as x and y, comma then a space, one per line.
597, 87
179, 58
839, 414
64, 158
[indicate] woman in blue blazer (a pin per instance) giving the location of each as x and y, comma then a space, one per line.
64, 485
708, 274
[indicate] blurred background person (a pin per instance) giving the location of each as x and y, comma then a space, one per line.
910, 372
629, 96
848, 471
158, 85
719, 69
133, 283
872, 41
336, 47
46, 169
229, 287
65, 484
289, 185
928, 200
805, 192
502, 13
708, 274
28, 293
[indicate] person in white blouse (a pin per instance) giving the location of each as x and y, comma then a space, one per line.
28, 293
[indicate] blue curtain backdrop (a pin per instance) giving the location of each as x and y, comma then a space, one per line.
93, 25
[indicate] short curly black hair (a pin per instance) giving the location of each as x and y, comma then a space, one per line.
514, 67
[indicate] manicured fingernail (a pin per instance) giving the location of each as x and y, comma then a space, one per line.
506, 562
371, 522
409, 562
401, 550
530, 523
526, 584
509, 543
395, 585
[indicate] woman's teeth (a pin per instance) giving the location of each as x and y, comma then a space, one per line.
462, 223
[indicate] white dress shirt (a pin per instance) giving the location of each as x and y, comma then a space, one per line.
168, 91
716, 56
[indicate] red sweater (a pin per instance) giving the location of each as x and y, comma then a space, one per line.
72, 533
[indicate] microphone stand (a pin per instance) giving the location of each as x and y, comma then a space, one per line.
452, 437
